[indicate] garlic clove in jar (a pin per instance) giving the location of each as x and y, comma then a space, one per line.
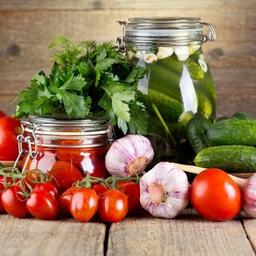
129, 155
164, 190
164, 52
150, 58
182, 52
249, 196
202, 64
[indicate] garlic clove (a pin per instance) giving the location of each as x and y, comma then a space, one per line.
182, 52
139, 55
202, 64
131, 54
164, 52
164, 190
193, 48
129, 155
249, 196
150, 58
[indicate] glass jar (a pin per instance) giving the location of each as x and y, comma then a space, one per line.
178, 83
66, 148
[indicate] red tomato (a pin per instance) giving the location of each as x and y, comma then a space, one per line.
2, 114
46, 187
100, 189
84, 204
64, 175
14, 203
43, 205
132, 191
3, 180
113, 206
65, 200
9, 128
215, 195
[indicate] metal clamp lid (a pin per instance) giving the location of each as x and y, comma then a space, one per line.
160, 31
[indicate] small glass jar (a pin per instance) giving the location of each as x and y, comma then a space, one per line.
75, 145
178, 83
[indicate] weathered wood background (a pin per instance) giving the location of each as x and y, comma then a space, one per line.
27, 26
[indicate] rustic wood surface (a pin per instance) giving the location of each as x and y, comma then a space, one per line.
30, 237
188, 234
27, 27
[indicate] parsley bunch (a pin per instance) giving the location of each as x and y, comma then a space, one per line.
86, 80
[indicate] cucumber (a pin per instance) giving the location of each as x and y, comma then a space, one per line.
241, 115
196, 133
233, 132
169, 108
234, 158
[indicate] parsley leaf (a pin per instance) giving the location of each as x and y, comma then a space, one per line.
87, 79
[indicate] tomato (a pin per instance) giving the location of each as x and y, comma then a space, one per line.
46, 187
84, 204
8, 143
215, 195
65, 200
3, 180
43, 205
13, 202
113, 206
100, 189
64, 175
132, 191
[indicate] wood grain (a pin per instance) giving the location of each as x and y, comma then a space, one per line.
120, 4
250, 229
184, 236
7, 103
34, 237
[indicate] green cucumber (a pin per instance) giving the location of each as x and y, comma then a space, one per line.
235, 158
196, 133
233, 132
169, 108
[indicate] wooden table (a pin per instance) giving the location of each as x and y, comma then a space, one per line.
186, 235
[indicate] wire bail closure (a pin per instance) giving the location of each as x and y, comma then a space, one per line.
29, 141
211, 35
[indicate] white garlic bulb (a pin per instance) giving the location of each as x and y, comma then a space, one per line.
164, 190
129, 155
249, 196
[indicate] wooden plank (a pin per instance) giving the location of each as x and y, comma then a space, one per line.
120, 4
182, 236
7, 103
250, 228
34, 237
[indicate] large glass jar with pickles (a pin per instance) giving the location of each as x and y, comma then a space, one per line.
178, 83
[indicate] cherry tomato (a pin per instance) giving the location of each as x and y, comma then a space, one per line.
84, 204
43, 205
13, 202
132, 191
100, 189
215, 195
4, 181
46, 187
113, 206
8, 143
65, 200
64, 175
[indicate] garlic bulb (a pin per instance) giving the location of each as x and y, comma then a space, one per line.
129, 155
164, 190
249, 196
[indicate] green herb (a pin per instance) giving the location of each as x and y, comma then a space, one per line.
86, 80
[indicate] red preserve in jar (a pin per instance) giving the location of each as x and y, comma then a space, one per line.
66, 149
